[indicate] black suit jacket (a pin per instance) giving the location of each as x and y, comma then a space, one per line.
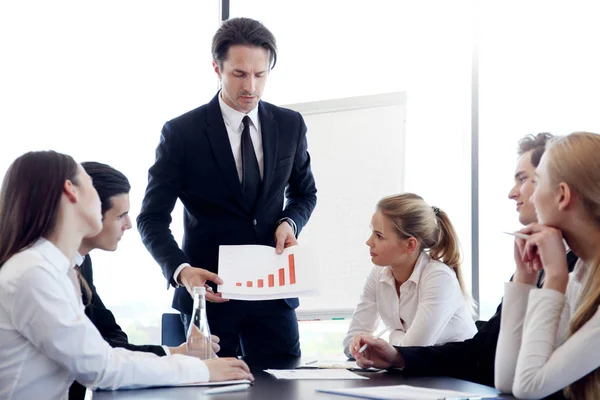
105, 322
194, 163
471, 360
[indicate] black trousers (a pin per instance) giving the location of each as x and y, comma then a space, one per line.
266, 328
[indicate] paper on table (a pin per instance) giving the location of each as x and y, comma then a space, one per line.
252, 272
402, 392
223, 383
313, 374
335, 364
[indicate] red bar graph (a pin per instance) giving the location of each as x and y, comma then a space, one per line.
271, 277
292, 266
281, 276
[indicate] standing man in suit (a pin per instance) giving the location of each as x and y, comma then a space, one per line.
232, 163
472, 359
113, 189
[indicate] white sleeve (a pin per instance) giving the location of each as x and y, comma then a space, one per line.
177, 272
543, 368
514, 307
45, 314
438, 294
396, 337
366, 316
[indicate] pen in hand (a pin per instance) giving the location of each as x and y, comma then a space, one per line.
518, 234
380, 334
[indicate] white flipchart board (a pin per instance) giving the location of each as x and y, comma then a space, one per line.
357, 154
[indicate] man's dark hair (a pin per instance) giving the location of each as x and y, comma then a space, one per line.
536, 144
246, 32
108, 182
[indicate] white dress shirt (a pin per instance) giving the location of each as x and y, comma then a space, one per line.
535, 356
234, 125
431, 308
47, 341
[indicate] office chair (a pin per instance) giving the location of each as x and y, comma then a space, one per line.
172, 331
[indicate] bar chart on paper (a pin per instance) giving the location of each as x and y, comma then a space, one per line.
281, 276
254, 272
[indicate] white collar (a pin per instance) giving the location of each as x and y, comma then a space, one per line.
233, 118
79, 259
388, 277
580, 271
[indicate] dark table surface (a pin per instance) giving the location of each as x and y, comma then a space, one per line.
268, 387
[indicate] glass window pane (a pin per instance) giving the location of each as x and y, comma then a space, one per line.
539, 73
97, 80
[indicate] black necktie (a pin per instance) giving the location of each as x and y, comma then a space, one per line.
250, 171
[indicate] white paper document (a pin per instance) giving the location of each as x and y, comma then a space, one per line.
403, 392
223, 383
322, 374
334, 364
252, 272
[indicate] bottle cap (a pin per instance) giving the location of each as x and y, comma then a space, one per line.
199, 290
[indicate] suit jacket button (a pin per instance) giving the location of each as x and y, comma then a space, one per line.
254, 222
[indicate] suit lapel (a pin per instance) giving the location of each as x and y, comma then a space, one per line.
219, 142
270, 136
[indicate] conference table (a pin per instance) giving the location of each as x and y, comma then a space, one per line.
267, 387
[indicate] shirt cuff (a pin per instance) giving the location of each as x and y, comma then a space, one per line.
290, 222
396, 337
517, 287
177, 272
167, 351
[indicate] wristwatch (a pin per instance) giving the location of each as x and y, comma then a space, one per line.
290, 222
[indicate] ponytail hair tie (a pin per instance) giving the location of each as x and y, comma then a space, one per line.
436, 211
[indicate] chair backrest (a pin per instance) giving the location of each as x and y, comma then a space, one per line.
172, 331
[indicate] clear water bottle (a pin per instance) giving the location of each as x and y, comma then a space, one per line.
199, 343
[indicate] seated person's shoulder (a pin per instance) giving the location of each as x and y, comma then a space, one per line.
436, 271
23, 265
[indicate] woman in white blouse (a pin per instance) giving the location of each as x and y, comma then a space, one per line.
550, 337
47, 205
416, 286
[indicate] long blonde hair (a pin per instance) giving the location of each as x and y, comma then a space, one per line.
573, 159
413, 217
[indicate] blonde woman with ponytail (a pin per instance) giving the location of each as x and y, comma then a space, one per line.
550, 337
416, 286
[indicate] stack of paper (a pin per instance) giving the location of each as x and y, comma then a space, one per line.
252, 272
403, 392
313, 374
